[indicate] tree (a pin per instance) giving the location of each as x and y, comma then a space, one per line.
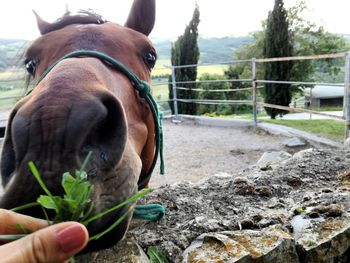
206, 94
308, 39
235, 73
185, 51
277, 43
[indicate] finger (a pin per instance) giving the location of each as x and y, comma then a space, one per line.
55, 243
14, 223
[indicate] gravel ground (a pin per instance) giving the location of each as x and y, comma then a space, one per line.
194, 152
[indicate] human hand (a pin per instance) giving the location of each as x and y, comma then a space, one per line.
55, 243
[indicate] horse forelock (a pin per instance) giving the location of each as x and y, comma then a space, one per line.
82, 17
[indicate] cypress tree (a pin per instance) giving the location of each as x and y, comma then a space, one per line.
277, 43
185, 51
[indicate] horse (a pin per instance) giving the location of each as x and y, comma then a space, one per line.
91, 94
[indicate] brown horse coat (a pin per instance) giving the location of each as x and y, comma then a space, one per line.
84, 105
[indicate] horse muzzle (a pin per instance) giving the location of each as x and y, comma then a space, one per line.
56, 133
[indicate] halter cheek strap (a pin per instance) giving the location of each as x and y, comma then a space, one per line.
141, 86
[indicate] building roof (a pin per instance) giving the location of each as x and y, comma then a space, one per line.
325, 92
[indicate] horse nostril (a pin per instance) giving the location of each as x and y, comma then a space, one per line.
107, 137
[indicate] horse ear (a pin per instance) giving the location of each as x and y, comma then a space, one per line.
142, 16
42, 24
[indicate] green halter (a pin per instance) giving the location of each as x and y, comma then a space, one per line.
144, 91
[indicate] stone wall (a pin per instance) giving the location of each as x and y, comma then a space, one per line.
295, 210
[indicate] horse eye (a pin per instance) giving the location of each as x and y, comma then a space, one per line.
30, 66
150, 59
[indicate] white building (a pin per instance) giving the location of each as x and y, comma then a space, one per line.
321, 96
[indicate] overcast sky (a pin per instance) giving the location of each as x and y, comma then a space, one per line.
218, 17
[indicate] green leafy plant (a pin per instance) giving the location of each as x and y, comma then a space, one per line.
155, 255
75, 204
300, 210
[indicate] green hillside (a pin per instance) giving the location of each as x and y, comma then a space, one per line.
213, 50
11, 51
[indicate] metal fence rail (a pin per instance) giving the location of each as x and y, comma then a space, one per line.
254, 87
299, 110
176, 85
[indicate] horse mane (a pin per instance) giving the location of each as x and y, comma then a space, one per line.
82, 17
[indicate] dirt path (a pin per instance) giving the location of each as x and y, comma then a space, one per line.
195, 152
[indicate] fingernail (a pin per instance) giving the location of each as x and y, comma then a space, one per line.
71, 238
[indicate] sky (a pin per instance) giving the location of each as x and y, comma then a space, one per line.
218, 17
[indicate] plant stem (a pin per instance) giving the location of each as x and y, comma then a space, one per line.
131, 199
120, 219
83, 166
22, 207
37, 176
12, 237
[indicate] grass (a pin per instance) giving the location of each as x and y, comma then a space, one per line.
330, 108
160, 92
330, 129
11, 85
8, 98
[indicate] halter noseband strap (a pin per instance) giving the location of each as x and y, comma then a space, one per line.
141, 86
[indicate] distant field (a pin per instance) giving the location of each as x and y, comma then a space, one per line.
160, 92
160, 86
8, 98
212, 69
8, 75
11, 87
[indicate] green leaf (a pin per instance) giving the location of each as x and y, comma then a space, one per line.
70, 205
81, 175
76, 203
80, 191
67, 182
155, 255
47, 202
300, 210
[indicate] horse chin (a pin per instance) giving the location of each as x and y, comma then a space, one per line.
110, 189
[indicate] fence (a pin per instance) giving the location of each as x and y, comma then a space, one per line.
176, 85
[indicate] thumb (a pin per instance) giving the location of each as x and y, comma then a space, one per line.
55, 243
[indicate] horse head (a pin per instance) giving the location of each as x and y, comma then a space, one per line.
83, 103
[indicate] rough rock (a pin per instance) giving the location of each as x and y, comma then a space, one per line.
270, 158
126, 251
312, 186
294, 142
347, 144
325, 241
268, 245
